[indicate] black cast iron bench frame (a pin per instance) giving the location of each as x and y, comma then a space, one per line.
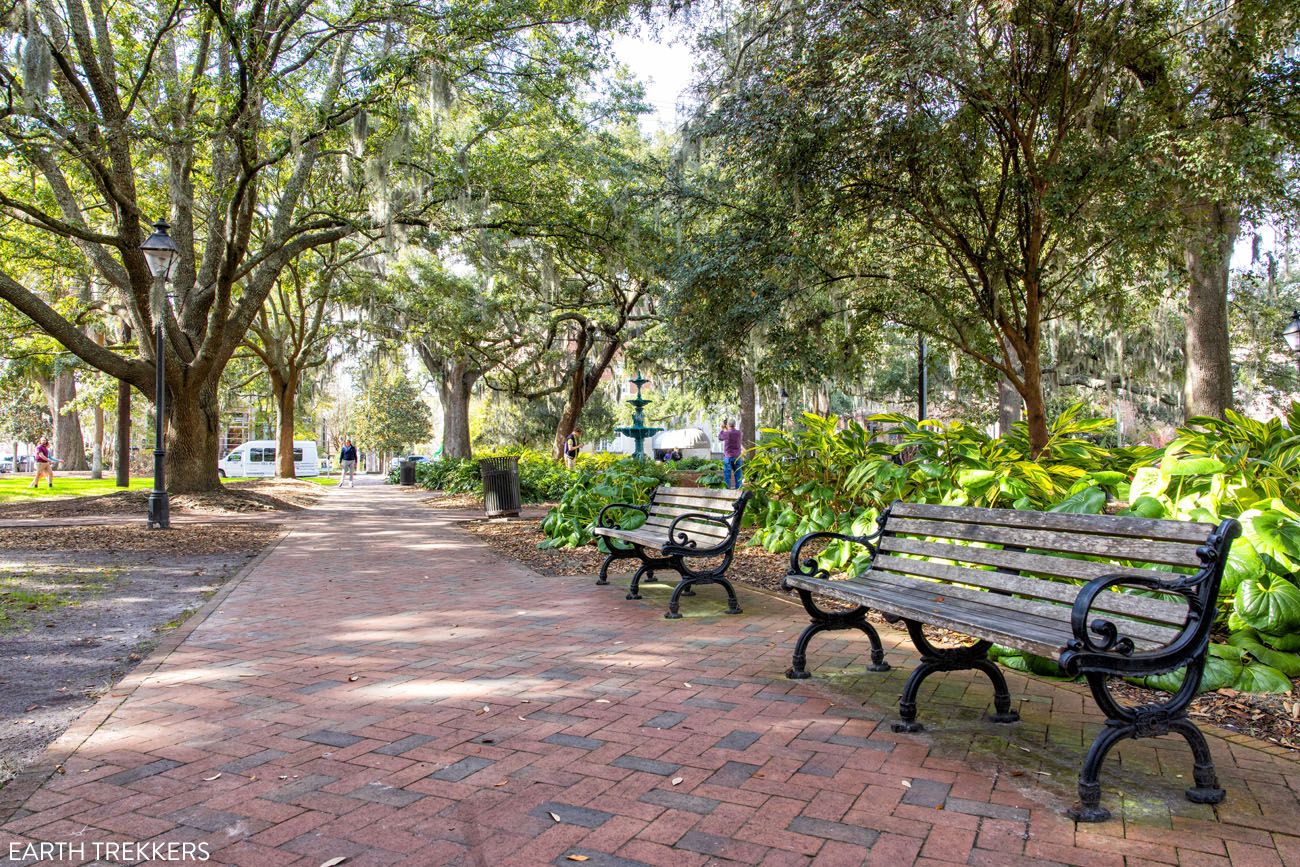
686, 526
1046, 593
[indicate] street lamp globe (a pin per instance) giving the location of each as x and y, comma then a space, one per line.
160, 251
1291, 334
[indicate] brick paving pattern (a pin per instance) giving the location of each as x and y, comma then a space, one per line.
382, 687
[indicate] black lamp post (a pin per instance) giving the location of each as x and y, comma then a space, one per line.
922, 380
1291, 334
160, 252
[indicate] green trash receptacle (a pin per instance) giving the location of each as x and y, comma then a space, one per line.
501, 495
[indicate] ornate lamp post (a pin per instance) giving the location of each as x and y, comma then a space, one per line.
160, 253
1291, 334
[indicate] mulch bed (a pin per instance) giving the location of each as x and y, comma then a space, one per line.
183, 539
1269, 717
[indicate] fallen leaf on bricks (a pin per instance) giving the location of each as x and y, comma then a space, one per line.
334, 861
579, 858
602, 701
210, 779
907, 784
500, 784
688, 686
353, 677
677, 781
554, 816
482, 711
524, 718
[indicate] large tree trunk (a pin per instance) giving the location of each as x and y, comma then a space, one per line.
748, 399
573, 405
97, 446
69, 443
1035, 405
1207, 251
285, 392
1009, 405
455, 385
193, 440
122, 445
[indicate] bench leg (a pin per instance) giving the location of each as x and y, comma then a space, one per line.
634, 590
1145, 721
685, 588
615, 553
934, 659
824, 621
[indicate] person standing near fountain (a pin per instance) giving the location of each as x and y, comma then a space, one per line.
572, 447
731, 448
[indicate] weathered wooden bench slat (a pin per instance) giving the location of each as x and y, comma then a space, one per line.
695, 528
1103, 525
695, 504
1143, 607
1055, 565
725, 495
1009, 577
1172, 553
670, 511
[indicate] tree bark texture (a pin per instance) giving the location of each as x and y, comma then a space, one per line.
1207, 252
1010, 405
68, 440
454, 389
285, 393
748, 401
193, 440
122, 447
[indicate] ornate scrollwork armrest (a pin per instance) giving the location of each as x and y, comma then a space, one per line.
1099, 646
608, 522
680, 539
808, 567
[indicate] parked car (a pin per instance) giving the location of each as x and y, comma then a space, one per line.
396, 463
257, 458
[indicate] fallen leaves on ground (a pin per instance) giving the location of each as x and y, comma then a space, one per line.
180, 539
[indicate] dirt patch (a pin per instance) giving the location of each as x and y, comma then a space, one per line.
77, 613
261, 495
1272, 718
442, 500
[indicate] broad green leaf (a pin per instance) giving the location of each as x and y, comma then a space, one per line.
1269, 603
1289, 643
1147, 507
1257, 677
1249, 641
1275, 537
1089, 501
1147, 482
1242, 564
1192, 467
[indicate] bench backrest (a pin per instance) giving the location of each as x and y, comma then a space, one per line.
1034, 546
669, 503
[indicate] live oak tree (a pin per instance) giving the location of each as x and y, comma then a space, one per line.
1219, 84
243, 123
950, 163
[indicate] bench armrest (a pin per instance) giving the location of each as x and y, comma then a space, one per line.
609, 523
808, 567
679, 542
1098, 645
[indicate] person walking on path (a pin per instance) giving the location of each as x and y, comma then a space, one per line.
44, 464
731, 448
348, 464
572, 447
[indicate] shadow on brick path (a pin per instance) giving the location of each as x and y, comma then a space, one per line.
384, 688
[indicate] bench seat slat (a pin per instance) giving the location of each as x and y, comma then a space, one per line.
695, 528
1044, 636
696, 504
729, 495
653, 538
1104, 525
1043, 564
1171, 553
1049, 611
1144, 607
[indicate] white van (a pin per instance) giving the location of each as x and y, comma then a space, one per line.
257, 458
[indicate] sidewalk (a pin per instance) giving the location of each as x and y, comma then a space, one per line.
382, 687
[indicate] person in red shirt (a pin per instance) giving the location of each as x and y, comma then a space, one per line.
44, 464
731, 449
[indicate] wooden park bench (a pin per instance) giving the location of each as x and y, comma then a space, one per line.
1049, 584
688, 527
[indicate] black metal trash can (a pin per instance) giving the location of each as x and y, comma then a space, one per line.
406, 472
501, 495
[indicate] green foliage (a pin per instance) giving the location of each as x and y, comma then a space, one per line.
541, 478
391, 416
833, 476
569, 524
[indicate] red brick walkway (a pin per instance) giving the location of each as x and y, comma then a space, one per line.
382, 688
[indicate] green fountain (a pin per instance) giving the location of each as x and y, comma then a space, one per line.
638, 431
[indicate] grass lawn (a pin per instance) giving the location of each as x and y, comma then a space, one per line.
17, 488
